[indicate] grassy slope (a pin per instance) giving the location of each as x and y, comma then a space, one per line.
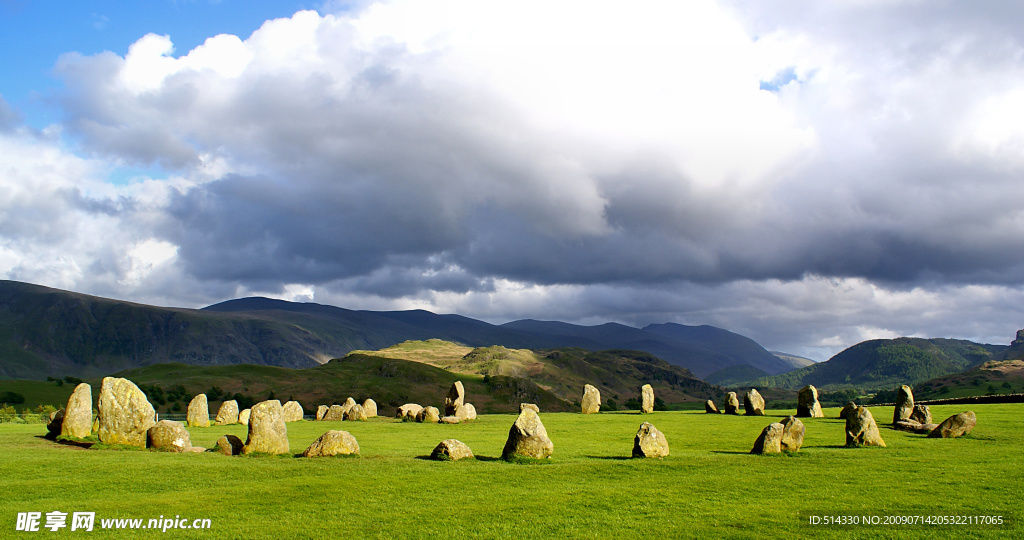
998, 377
709, 487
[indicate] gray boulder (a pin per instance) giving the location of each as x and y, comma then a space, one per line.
321, 411
957, 425
770, 440
227, 414
451, 450
77, 421
792, 434
198, 412
646, 399
268, 433
125, 413
370, 408
591, 400
753, 403
922, 414
335, 413
169, 436
861, 429
243, 416
527, 438
333, 443
649, 442
292, 411
429, 415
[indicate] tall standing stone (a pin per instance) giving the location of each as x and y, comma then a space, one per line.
904, 404
646, 399
370, 408
792, 434
527, 438
292, 411
268, 433
125, 413
321, 410
861, 429
227, 413
456, 396
807, 405
770, 440
732, 403
198, 412
753, 403
78, 413
649, 442
591, 400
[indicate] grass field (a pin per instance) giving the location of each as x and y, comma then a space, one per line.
709, 487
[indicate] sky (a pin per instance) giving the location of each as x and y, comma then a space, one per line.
808, 174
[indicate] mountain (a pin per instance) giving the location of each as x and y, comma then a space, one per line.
795, 362
882, 364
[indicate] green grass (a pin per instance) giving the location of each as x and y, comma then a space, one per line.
709, 487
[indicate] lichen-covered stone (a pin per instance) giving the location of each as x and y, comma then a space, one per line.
646, 399
792, 434
710, 408
227, 414
732, 403
198, 412
333, 443
77, 421
904, 404
957, 425
429, 415
753, 403
292, 411
770, 440
321, 411
125, 413
861, 429
451, 450
807, 405
370, 408
230, 445
335, 413
268, 433
649, 442
591, 400
527, 438
243, 416
169, 436
456, 396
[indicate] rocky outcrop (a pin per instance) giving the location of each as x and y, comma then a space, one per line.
333, 443
591, 400
292, 411
646, 399
451, 450
732, 404
770, 440
456, 396
904, 404
125, 413
807, 405
77, 421
527, 438
861, 429
649, 442
227, 414
169, 436
957, 425
198, 412
268, 433
753, 403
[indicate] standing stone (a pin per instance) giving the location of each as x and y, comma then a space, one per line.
470, 411
125, 413
649, 442
333, 443
807, 405
527, 438
169, 436
451, 450
591, 400
861, 429
336, 413
243, 417
227, 413
356, 413
230, 445
753, 403
530, 406
456, 396
292, 411
370, 408
904, 404
429, 415
770, 440
78, 413
850, 408
321, 410
199, 412
268, 433
646, 399
409, 409
732, 404
921, 414
710, 408
792, 434
957, 425
55, 424
349, 403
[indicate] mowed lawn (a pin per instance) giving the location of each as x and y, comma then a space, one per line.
709, 487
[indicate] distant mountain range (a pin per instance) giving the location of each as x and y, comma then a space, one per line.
49, 332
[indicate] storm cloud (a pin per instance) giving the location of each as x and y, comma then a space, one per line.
764, 168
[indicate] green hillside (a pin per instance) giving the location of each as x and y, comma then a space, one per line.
883, 364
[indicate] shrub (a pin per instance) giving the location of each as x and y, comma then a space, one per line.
11, 397
611, 405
